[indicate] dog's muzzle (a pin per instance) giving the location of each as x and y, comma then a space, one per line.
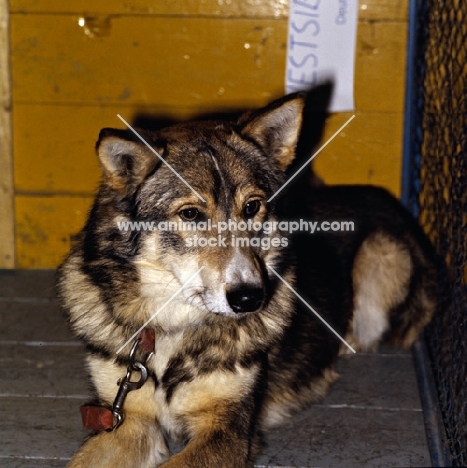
245, 298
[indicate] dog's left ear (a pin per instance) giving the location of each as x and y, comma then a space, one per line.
276, 128
125, 160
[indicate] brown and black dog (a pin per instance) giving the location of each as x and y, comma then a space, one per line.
194, 244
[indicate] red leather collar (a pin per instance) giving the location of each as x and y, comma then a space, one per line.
97, 417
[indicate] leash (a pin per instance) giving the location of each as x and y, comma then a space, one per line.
101, 418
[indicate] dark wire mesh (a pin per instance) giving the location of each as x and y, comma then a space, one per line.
438, 167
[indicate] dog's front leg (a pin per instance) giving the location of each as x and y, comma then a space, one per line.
224, 436
137, 443
219, 412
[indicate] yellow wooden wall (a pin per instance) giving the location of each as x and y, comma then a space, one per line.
76, 64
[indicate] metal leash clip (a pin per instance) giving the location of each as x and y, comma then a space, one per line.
126, 385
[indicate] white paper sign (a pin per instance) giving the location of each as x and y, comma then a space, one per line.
321, 45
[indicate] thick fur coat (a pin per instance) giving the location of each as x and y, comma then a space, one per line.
236, 351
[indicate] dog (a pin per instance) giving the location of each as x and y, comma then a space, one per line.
246, 333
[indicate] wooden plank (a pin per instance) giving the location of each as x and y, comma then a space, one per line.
197, 62
380, 66
368, 9
374, 380
62, 140
45, 226
32, 321
7, 245
392, 10
44, 371
367, 151
26, 286
18, 462
147, 60
348, 438
39, 428
221, 8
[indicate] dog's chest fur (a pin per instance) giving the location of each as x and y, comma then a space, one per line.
185, 380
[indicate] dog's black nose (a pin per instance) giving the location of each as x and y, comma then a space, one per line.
245, 298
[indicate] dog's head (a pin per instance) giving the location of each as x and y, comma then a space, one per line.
201, 197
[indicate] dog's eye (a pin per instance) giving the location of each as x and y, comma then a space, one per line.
251, 208
189, 214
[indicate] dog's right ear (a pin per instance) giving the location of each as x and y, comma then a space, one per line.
290, 127
125, 160
276, 127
